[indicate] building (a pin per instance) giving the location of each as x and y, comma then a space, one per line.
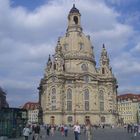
33, 111
129, 108
3, 102
12, 122
73, 88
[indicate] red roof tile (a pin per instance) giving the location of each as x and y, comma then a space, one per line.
129, 96
31, 105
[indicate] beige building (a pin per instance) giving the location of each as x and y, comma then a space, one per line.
32, 111
73, 88
128, 108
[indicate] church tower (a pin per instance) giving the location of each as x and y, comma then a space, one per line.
73, 88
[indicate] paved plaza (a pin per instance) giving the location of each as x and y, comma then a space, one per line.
99, 134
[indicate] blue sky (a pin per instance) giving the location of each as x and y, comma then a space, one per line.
28, 4
29, 30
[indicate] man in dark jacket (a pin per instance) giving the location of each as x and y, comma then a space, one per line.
36, 132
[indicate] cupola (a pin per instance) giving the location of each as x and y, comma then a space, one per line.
74, 20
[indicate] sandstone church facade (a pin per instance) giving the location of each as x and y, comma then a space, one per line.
73, 88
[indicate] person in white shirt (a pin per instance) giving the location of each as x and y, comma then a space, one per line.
76, 129
26, 132
89, 130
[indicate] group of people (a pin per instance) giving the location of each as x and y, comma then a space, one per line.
133, 128
34, 130
88, 130
50, 129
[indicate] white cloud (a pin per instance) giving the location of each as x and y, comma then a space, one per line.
28, 37
120, 2
127, 64
136, 49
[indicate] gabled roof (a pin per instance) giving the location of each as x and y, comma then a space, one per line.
31, 106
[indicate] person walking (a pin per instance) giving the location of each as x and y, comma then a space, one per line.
89, 130
36, 132
62, 130
26, 132
135, 130
48, 130
76, 131
33, 133
52, 130
65, 130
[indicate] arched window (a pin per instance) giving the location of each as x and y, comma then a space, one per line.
86, 94
103, 71
69, 100
86, 99
75, 18
53, 99
101, 100
69, 94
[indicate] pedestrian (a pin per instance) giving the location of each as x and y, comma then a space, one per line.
33, 133
128, 128
89, 130
36, 132
26, 132
76, 131
62, 130
48, 130
52, 130
66, 130
135, 130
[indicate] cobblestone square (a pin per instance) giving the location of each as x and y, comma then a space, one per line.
99, 134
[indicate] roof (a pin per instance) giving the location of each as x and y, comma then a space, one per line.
130, 96
31, 106
74, 9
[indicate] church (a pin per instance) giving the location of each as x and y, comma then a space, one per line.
73, 88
